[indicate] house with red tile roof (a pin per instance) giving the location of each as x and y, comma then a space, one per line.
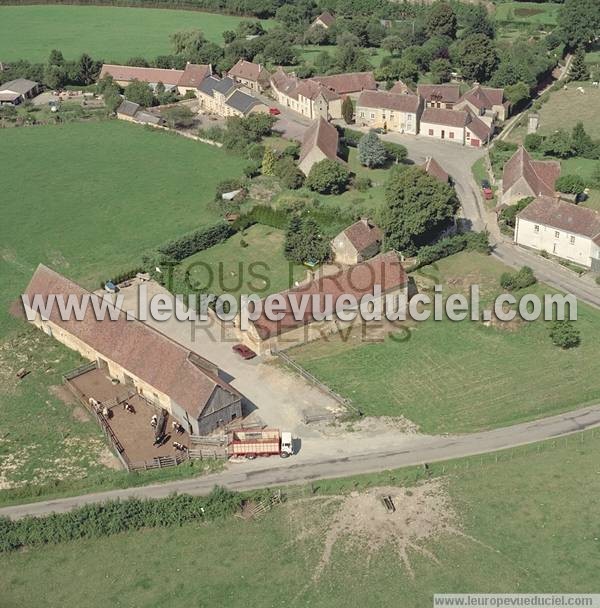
401, 87
188, 79
486, 102
522, 177
321, 141
562, 229
324, 20
434, 169
307, 97
318, 317
459, 126
159, 369
351, 83
252, 75
440, 96
357, 243
390, 111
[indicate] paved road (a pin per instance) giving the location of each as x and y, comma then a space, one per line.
256, 474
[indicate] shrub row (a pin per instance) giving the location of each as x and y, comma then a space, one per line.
468, 241
106, 519
517, 280
199, 240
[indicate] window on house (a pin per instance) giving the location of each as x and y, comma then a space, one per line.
362, 114
430, 131
536, 228
572, 240
451, 135
372, 115
556, 234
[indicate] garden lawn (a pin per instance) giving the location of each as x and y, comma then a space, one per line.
111, 33
247, 263
527, 523
528, 12
462, 376
565, 108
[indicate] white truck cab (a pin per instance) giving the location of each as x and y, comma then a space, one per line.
287, 446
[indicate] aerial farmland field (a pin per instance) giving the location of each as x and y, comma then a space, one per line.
111, 33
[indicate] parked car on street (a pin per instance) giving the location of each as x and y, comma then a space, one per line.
486, 188
274, 111
243, 351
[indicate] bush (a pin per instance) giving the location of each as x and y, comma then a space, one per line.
509, 214
512, 281
469, 241
396, 152
564, 334
362, 184
105, 519
289, 174
533, 142
570, 184
328, 177
351, 137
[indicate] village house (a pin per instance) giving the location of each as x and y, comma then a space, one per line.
434, 169
180, 80
562, 229
357, 243
385, 271
522, 177
251, 75
460, 126
441, 96
350, 84
133, 112
223, 97
486, 102
320, 141
401, 88
391, 111
162, 371
17, 91
307, 97
324, 20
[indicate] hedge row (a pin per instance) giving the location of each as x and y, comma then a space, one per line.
96, 521
196, 241
469, 241
262, 214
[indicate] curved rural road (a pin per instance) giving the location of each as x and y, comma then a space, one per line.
260, 474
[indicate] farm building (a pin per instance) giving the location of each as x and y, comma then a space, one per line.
252, 75
321, 141
357, 243
522, 176
133, 112
182, 80
486, 102
223, 97
163, 372
351, 83
562, 229
17, 91
385, 270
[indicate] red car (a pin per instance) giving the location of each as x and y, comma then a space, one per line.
488, 193
274, 111
243, 351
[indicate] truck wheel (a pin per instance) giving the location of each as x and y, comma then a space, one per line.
284, 455
250, 456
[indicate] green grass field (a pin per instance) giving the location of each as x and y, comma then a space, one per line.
109, 33
565, 108
259, 267
462, 377
87, 200
528, 12
526, 523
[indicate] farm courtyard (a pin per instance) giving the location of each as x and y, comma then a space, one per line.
461, 377
114, 34
335, 546
141, 189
